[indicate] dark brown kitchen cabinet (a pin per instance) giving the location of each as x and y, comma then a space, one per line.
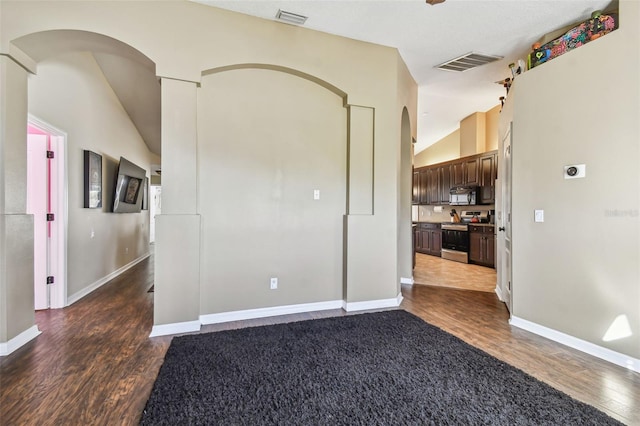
482, 245
433, 186
445, 183
415, 194
424, 187
457, 174
470, 167
488, 174
428, 238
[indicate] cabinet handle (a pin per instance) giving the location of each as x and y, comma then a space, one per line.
501, 228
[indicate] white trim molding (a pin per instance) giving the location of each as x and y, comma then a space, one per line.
372, 304
19, 341
582, 345
175, 328
499, 293
404, 280
102, 281
269, 312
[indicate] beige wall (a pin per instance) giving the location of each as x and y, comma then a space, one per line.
472, 134
578, 271
71, 94
478, 133
16, 227
372, 79
491, 128
256, 191
448, 148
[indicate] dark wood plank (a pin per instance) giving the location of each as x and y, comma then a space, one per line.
95, 364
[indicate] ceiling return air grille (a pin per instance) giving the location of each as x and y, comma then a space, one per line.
468, 61
290, 18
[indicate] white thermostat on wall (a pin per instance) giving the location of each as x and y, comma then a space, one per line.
575, 171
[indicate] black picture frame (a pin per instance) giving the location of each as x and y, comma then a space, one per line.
92, 180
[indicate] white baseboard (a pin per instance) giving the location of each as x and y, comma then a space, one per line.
102, 281
175, 328
372, 304
579, 344
18, 341
404, 280
269, 312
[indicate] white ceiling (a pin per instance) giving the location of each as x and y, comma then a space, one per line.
427, 36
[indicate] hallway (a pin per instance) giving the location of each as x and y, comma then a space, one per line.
95, 364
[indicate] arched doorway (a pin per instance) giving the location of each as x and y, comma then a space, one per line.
105, 94
405, 241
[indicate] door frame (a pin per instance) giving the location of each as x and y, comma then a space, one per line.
59, 177
504, 287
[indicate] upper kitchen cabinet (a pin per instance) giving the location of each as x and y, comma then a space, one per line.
488, 175
470, 168
431, 184
415, 195
423, 190
457, 173
445, 183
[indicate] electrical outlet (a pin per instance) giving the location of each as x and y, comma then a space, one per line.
126, 250
274, 283
316, 194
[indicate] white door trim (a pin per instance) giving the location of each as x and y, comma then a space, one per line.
58, 293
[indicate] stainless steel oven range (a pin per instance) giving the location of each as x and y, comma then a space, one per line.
455, 236
455, 242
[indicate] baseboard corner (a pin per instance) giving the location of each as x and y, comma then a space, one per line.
408, 281
6, 348
373, 304
175, 328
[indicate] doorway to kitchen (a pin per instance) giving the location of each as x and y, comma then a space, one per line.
46, 201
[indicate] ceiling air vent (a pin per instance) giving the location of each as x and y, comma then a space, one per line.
468, 61
290, 18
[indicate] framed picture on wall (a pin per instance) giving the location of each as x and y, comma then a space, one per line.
92, 180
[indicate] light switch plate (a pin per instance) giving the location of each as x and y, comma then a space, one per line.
539, 215
316, 194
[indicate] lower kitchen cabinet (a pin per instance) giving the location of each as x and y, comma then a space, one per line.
428, 238
482, 245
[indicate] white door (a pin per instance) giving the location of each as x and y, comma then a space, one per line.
37, 205
505, 225
155, 208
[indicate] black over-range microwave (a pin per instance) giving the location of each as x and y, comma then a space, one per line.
463, 195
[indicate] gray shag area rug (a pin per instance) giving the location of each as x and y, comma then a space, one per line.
385, 368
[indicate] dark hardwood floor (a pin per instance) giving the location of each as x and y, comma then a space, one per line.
95, 364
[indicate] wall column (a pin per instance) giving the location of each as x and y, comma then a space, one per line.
362, 289
17, 317
177, 253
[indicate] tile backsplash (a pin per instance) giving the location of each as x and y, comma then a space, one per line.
428, 213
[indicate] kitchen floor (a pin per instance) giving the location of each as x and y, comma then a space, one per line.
435, 271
